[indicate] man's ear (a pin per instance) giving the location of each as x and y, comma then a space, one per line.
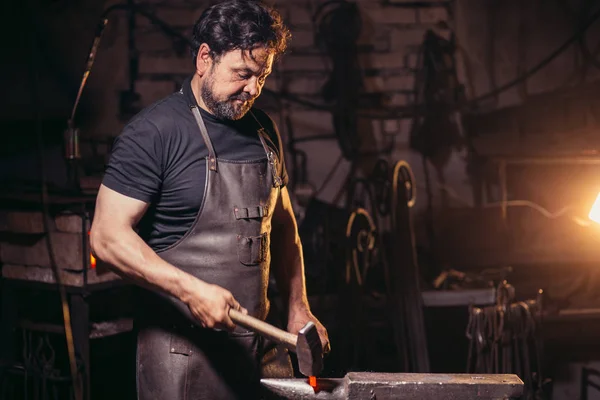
203, 59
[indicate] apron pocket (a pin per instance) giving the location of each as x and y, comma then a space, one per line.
180, 345
252, 249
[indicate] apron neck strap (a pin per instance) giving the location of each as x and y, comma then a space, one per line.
262, 135
212, 158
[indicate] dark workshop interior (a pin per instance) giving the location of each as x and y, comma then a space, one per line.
443, 161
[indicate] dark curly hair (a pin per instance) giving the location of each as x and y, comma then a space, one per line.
239, 24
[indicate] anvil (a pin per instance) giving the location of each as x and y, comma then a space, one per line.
398, 386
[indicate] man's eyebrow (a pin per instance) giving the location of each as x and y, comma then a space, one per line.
250, 70
245, 69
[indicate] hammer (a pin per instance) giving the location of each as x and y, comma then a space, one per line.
306, 344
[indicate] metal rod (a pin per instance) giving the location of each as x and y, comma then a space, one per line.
333, 389
88, 68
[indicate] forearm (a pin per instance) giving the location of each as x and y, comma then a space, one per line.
132, 258
288, 268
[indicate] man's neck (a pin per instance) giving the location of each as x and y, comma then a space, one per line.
196, 84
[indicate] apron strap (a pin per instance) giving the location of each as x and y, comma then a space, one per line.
212, 158
263, 136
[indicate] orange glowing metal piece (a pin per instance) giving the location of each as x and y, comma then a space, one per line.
92, 258
312, 381
594, 214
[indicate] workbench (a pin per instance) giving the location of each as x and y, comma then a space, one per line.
28, 285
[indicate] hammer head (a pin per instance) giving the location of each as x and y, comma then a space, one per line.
309, 350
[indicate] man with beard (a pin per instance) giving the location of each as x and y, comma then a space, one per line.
193, 209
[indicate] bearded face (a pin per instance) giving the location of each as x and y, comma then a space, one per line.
231, 107
233, 81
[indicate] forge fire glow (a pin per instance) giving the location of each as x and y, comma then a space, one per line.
594, 214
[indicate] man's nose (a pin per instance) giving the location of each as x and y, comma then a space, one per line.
253, 87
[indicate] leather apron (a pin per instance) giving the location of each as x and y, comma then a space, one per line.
227, 245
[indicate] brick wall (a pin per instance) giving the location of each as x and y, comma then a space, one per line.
515, 36
392, 30
388, 47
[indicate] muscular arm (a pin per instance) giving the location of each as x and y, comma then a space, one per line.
287, 259
288, 268
113, 240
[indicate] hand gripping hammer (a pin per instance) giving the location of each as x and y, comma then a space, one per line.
306, 345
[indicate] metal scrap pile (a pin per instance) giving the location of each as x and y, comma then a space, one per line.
506, 338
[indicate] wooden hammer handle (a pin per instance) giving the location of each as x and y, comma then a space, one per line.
264, 329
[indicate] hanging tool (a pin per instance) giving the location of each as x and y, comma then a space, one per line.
505, 338
306, 345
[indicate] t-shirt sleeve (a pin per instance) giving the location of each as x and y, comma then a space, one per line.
135, 165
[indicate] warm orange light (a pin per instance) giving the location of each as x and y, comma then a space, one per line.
312, 381
594, 214
92, 258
